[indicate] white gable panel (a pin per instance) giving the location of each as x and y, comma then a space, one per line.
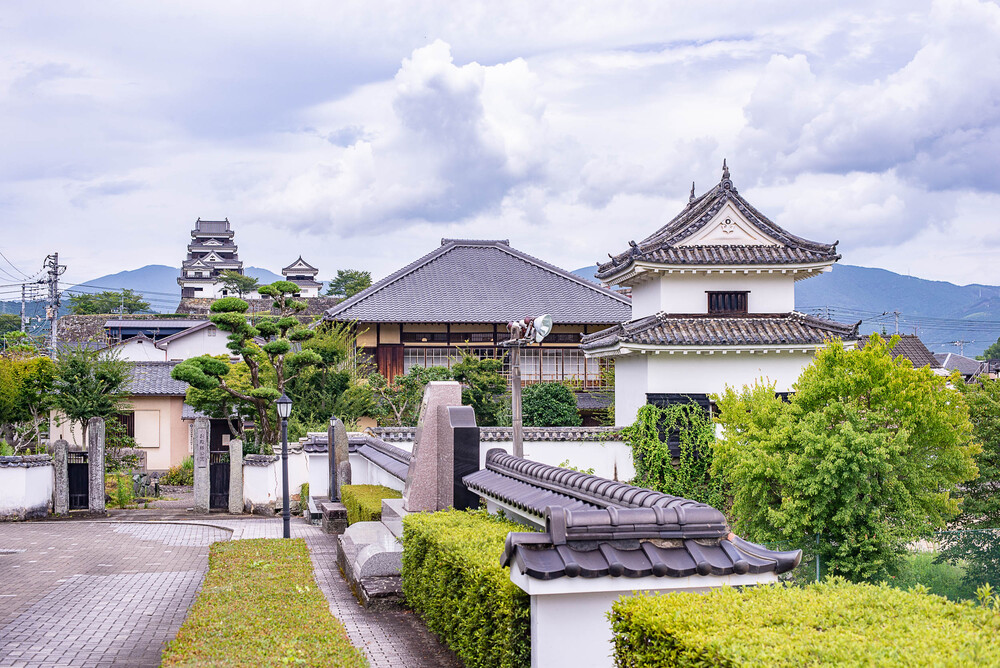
729, 227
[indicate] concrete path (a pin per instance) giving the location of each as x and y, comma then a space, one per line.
113, 593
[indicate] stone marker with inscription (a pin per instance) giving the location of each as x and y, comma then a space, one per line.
339, 457
202, 430
236, 476
60, 452
95, 464
426, 475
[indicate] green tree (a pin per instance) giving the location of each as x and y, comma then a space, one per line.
349, 282
864, 458
977, 543
991, 353
398, 401
25, 398
686, 472
483, 387
549, 405
89, 384
9, 322
270, 366
219, 404
108, 301
236, 282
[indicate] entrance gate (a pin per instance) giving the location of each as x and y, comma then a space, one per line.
218, 480
79, 480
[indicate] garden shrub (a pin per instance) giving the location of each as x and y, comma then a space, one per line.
118, 486
453, 579
364, 502
832, 623
182, 474
549, 405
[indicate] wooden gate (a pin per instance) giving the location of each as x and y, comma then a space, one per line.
218, 477
79, 480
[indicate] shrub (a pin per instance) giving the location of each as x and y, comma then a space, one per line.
260, 606
183, 474
549, 405
453, 579
832, 623
364, 502
118, 486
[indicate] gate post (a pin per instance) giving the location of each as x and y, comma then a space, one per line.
202, 429
236, 476
95, 463
60, 495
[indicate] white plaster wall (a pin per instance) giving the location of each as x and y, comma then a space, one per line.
140, 351
685, 293
26, 491
631, 374
364, 472
202, 342
262, 484
646, 299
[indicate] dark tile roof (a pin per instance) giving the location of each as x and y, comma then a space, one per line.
912, 348
501, 434
693, 330
299, 261
597, 527
964, 365
661, 247
482, 282
387, 457
153, 379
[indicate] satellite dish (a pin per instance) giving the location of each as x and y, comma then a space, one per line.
543, 325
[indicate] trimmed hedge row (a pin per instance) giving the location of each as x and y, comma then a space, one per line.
260, 606
833, 623
453, 579
364, 502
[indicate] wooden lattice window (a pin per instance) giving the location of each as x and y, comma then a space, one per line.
727, 302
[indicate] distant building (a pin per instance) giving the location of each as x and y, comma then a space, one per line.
713, 295
969, 368
303, 274
211, 252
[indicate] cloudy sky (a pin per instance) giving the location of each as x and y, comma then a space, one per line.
358, 134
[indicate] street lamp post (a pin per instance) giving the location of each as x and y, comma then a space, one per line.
284, 405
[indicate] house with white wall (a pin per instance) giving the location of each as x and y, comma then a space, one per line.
201, 339
713, 299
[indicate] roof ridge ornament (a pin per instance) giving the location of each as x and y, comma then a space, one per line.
726, 183
691, 196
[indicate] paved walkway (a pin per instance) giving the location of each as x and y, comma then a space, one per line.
110, 593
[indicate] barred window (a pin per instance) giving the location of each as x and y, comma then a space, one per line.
727, 302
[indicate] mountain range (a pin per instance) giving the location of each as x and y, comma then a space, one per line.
947, 317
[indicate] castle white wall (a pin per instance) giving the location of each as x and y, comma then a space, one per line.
631, 376
686, 293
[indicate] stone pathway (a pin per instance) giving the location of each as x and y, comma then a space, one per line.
112, 593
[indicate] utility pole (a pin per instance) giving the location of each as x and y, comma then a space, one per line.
961, 346
24, 320
52, 310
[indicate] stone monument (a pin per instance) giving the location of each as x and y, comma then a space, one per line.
339, 457
60, 454
202, 431
235, 476
432, 461
95, 464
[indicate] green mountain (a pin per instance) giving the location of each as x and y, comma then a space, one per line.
940, 313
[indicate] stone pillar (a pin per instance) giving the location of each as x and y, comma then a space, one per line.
235, 476
95, 464
422, 490
202, 428
60, 455
464, 455
339, 457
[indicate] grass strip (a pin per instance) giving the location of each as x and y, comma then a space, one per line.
260, 606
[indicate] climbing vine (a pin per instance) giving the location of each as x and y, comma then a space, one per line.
687, 471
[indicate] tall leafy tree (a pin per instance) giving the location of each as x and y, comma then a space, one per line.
483, 387
89, 384
25, 398
992, 352
271, 365
549, 405
349, 282
9, 322
236, 282
398, 401
866, 457
108, 301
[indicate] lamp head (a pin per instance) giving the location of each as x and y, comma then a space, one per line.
543, 325
284, 405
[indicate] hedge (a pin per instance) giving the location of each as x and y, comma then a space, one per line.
834, 623
364, 502
453, 579
260, 606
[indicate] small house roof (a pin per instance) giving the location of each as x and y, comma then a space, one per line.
755, 329
482, 281
671, 244
965, 366
912, 348
204, 324
153, 379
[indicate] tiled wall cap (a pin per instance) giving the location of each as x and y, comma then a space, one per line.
25, 461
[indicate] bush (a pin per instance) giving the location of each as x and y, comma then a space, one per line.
118, 486
180, 475
453, 579
832, 623
260, 606
549, 405
364, 502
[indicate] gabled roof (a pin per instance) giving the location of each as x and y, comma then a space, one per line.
964, 365
667, 245
153, 379
912, 348
204, 324
482, 282
755, 329
299, 265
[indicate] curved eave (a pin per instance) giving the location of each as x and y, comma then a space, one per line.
638, 271
619, 349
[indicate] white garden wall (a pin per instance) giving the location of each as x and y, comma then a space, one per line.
26, 487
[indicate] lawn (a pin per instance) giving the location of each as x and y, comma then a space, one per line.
260, 606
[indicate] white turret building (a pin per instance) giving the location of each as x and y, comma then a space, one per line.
303, 274
713, 304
